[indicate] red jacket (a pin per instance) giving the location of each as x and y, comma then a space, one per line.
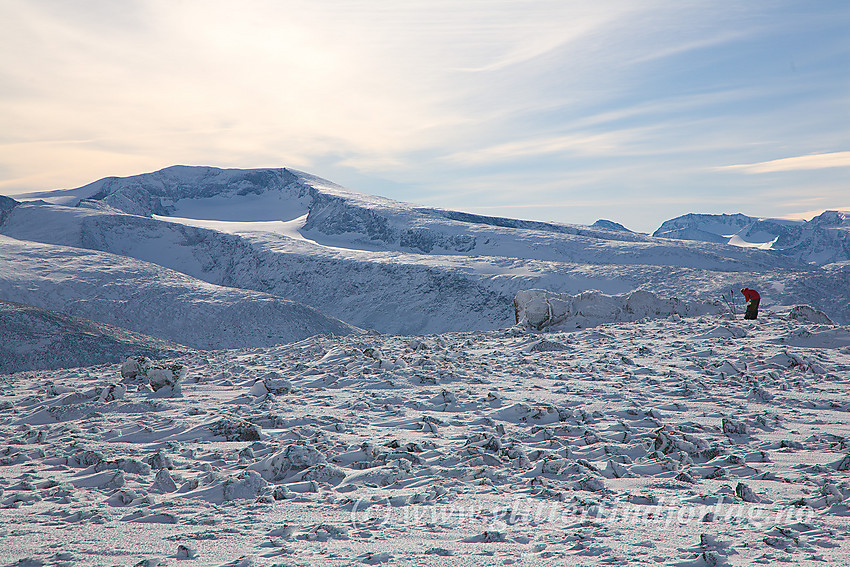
750, 294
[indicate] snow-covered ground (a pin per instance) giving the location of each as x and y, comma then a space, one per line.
35, 339
678, 441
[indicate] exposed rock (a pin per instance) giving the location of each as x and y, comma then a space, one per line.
236, 429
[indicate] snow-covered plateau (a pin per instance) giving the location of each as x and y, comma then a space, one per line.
686, 441
259, 367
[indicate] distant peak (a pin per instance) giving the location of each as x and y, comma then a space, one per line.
610, 225
832, 218
6, 206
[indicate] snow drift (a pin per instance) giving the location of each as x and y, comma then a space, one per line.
541, 309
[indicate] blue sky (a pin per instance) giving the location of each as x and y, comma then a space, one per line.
553, 110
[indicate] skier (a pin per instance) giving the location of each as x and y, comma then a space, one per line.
752, 297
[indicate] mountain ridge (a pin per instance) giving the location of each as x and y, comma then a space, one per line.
822, 240
151, 299
388, 265
32, 338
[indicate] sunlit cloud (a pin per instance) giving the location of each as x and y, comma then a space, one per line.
809, 215
798, 163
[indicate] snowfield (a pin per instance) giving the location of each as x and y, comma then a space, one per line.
680, 441
823, 240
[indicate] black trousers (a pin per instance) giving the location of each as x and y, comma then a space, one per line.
752, 309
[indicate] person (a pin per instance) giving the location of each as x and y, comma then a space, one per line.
753, 298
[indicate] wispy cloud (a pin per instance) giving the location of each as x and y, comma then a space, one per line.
603, 143
809, 215
797, 163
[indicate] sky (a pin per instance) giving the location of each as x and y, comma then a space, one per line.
551, 110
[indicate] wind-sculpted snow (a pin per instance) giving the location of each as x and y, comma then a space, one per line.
540, 309
684, 441
39, 339
149, 299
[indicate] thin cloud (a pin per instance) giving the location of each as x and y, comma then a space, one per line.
579, 144
809, 215
798, 163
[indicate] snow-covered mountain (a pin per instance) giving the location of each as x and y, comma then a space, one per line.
38, 339
824, 240
324, 213
150, 299
387, 265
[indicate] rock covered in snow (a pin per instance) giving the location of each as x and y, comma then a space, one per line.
292, 459
808, 314
164, 482
324, 473
157, 376
733, 427
236, 429
248, 485
160, 460
169, 377
112, 392
186, 552
135, 366
272, 383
